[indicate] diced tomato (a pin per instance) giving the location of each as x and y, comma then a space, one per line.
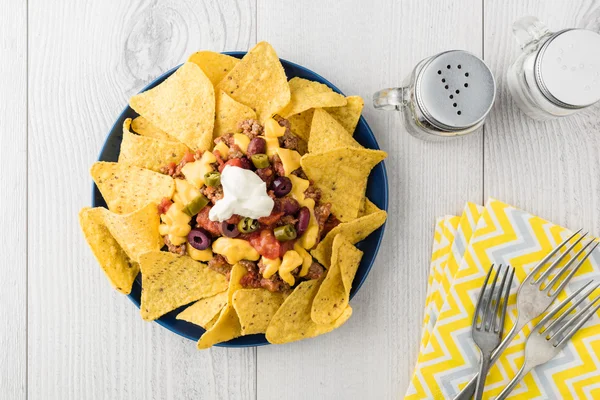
271, 219
188, 157
164, 205
236, 162
203, 222
265, 244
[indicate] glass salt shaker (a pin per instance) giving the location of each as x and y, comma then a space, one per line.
446, 95
557, 73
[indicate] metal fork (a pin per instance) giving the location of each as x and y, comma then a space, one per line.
488, 320
534, 298
548, 337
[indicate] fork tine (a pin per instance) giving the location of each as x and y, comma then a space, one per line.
564, 268
572, 273
480, 298
560, 306
572, 307
552, 266
581, 318
541, 264
489, 317
506, 297
495, 326
576, 328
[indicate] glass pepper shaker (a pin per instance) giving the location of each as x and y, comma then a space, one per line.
558, 73
446, 95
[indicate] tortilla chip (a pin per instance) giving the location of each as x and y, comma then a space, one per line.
300, 124
327, 134
342, 175
307, 94
349, 114
183, 106
367, 208
255, 308
204, 311
293, 322
127, 188
170, 281
229, 113
115, 263
259, 82
334, 294
142, 126
137, 232
227, 326
147, 152
353, 231
214, 65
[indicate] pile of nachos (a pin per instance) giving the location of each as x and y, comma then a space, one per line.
238, 196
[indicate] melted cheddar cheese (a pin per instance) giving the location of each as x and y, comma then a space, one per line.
291, 261
235, 250
194, 172
308, 238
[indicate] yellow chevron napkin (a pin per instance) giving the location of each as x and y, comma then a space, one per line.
506, 235
443, 238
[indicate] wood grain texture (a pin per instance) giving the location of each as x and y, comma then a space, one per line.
548, 168
13, 200
364, 46
85, 340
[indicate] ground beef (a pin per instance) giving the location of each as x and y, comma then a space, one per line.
331, 223
235, 152
312, 193
282, 121
277, 165
172, 248
249, 265
274, 284
322, 213
213, 193
315, 271
300, 173
287, 220
252, 277
251, 128
289, 140
219, 264
226, 138
174, 170
266, 174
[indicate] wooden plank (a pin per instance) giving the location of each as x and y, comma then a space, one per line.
363, 47
548, 168
13, 200
86, 58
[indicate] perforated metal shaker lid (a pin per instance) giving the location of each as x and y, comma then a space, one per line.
567, 68
455, 90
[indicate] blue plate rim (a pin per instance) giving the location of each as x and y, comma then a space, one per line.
380, 231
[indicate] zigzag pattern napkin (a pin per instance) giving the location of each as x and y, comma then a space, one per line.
449, 358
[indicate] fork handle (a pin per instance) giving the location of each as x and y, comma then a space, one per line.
484, 368
514, 382
469, 390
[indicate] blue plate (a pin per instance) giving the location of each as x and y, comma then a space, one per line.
377, 192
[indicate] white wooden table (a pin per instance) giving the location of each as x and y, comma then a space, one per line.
67, 68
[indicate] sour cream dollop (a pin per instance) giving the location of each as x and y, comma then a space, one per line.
245, 194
